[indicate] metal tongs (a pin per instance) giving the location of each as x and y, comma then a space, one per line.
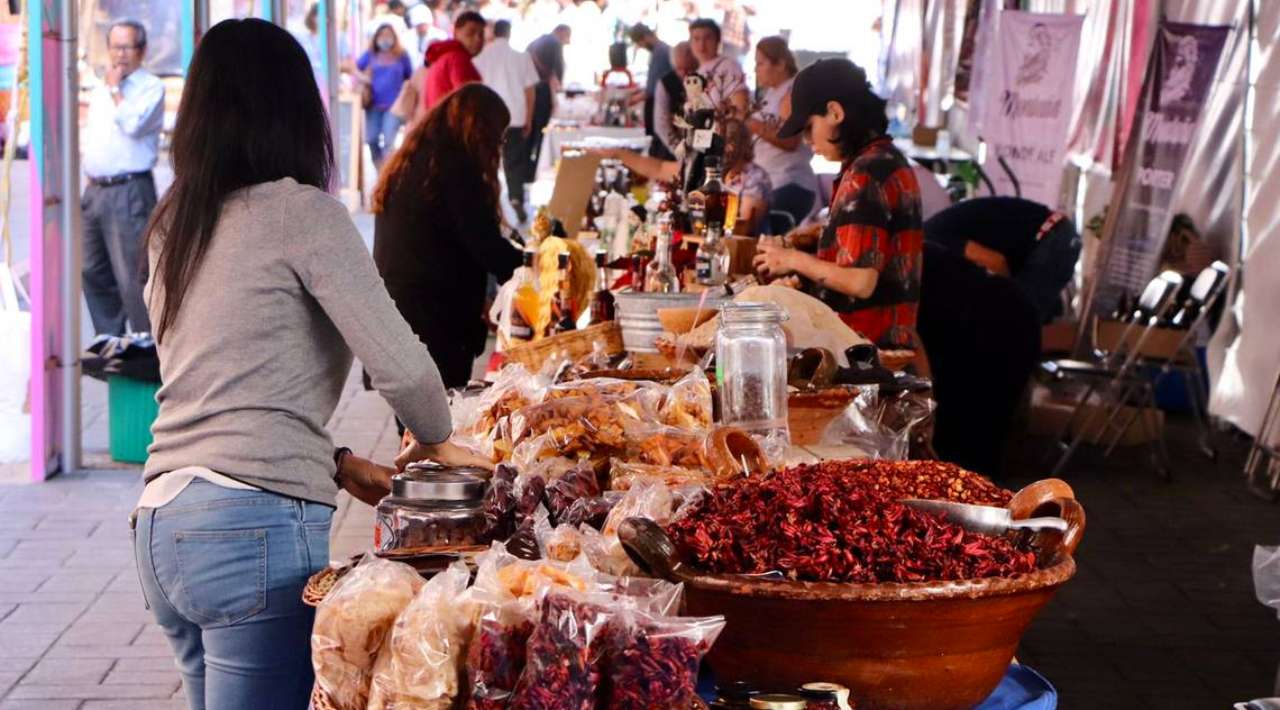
984, 518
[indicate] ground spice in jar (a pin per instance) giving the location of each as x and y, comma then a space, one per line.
817, 523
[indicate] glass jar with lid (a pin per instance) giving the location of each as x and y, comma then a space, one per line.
432, 505
751, 373
777, 701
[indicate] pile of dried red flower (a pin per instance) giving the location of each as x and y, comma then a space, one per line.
823, 523
917, 479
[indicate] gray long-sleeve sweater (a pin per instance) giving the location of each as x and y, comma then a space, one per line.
255, 363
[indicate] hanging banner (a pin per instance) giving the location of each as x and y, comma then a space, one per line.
1028, 107
1178, 80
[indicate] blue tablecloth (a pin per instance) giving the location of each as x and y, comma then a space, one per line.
1021, 689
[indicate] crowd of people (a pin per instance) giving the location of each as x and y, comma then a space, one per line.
247, 228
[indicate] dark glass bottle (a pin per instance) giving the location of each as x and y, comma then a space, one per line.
602, 305
562, 305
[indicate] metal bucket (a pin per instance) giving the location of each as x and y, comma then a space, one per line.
638, 315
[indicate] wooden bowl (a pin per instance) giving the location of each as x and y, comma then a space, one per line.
684, 319
934, 645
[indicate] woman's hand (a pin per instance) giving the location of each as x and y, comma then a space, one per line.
773, 259
445, 452
365, 480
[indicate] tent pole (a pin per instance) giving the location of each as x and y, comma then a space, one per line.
70, 216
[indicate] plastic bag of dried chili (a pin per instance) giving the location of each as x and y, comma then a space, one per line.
651, 662
561, 659
496, 656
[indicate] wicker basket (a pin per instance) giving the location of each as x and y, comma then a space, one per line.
573, 344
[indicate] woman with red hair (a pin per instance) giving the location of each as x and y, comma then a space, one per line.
438, 230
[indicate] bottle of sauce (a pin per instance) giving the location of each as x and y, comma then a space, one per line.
562, 319
602, 305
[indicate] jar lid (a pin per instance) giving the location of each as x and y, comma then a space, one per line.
438, 482
777, 701
824, 691
747, 312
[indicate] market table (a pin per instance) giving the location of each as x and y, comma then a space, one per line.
559, 134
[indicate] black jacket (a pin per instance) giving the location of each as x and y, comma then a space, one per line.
435, 260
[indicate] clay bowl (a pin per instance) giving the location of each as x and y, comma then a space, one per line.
684, 319
922, 645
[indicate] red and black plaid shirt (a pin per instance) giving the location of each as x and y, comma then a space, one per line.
875, 224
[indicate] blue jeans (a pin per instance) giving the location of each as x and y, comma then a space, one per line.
223, 572
380, 129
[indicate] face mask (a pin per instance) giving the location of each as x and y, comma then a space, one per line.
385, 45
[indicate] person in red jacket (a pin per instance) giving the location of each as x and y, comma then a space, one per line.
449, 62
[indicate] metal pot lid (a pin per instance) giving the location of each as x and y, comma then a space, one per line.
438, 483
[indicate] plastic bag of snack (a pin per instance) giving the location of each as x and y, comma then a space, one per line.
623, 475
561, 659
651, 661
688, 402
478, 416
578, 483
580, 426
656, 596
653, 392
499, 504
647, 500
425, 649
661, 445
592, 511
352, 624
561, 543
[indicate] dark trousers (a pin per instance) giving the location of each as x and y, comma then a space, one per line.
656, 148
541, 117
115, 270
515, 163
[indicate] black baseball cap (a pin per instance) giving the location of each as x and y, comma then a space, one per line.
824, 80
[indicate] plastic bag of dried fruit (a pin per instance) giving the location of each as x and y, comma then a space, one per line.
651, 661
688, 402
420, 665
562, 656
478, 416
885, 423
352, 625
575, 484
623, 475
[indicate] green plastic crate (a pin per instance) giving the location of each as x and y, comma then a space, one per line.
131, 410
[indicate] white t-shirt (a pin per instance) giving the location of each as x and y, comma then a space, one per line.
724, 78
785, 167
508, 73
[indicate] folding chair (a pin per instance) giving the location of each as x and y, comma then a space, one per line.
779, 222
1262, 468
1112, 375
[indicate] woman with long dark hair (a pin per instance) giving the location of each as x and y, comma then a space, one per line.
261, 289
384, 68
438, 231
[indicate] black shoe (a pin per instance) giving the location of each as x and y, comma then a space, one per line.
520, 213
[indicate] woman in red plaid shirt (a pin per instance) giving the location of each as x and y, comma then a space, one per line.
868, 261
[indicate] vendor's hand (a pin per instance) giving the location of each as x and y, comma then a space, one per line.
528, 130
445, 452
365, 480
773, 260
757, 127
804, 237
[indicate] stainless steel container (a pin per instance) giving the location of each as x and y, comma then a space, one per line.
638, 315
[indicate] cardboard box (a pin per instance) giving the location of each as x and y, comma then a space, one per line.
1058, 337
1049, 413
1162, 344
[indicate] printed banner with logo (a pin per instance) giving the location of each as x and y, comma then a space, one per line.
1028, 106
1176, 88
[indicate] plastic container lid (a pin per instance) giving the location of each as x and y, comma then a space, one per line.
778, 701
433, 481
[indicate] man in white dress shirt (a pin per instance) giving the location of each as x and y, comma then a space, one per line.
513, 76
120, 142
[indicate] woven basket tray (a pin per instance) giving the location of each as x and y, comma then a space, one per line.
426, 560
574, 344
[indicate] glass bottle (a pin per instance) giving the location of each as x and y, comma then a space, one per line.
714, 197
712, 259
751, 373
562, 304
525, 291
660, 275
602, 305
